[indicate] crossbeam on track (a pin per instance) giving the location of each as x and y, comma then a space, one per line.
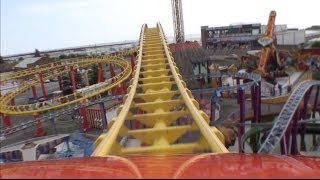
158, 99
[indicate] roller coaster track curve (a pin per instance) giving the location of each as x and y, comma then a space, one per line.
286, 115
76, 97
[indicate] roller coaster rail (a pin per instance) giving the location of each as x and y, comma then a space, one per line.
154, 41
286, 115
76, 97
52, 66
69, 109
262, 124
258, 127
254, 77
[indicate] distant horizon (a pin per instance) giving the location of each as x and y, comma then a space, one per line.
87, 45
53, 24
169, 37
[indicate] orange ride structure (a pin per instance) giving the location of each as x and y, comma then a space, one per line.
156, 99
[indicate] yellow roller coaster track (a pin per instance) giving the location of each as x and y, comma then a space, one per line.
48, 68
158, 91
53, 70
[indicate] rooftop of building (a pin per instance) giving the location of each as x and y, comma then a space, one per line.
25, 62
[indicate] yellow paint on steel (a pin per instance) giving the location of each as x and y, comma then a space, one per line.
214, 142
52, 66
157, 89
76, 97
105, 141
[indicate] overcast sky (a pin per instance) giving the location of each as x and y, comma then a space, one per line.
50, 24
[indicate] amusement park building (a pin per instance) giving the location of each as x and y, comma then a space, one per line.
31, 62
243, 34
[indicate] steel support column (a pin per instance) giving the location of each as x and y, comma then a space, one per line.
241, 94
283, 145
39, 130
60, 83
255, 106
238, 91
73, 81
294, 131
314, 109
252, 97
100, 73
286, 139
208, 72
258, 93
6, 120
34, 92
178, 25
303, 116
43, 88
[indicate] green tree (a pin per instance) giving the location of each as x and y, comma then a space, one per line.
316, 44
62, 56
72, 55
93, 74
1, 60
37, 53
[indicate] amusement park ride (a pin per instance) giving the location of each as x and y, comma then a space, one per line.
176, 139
